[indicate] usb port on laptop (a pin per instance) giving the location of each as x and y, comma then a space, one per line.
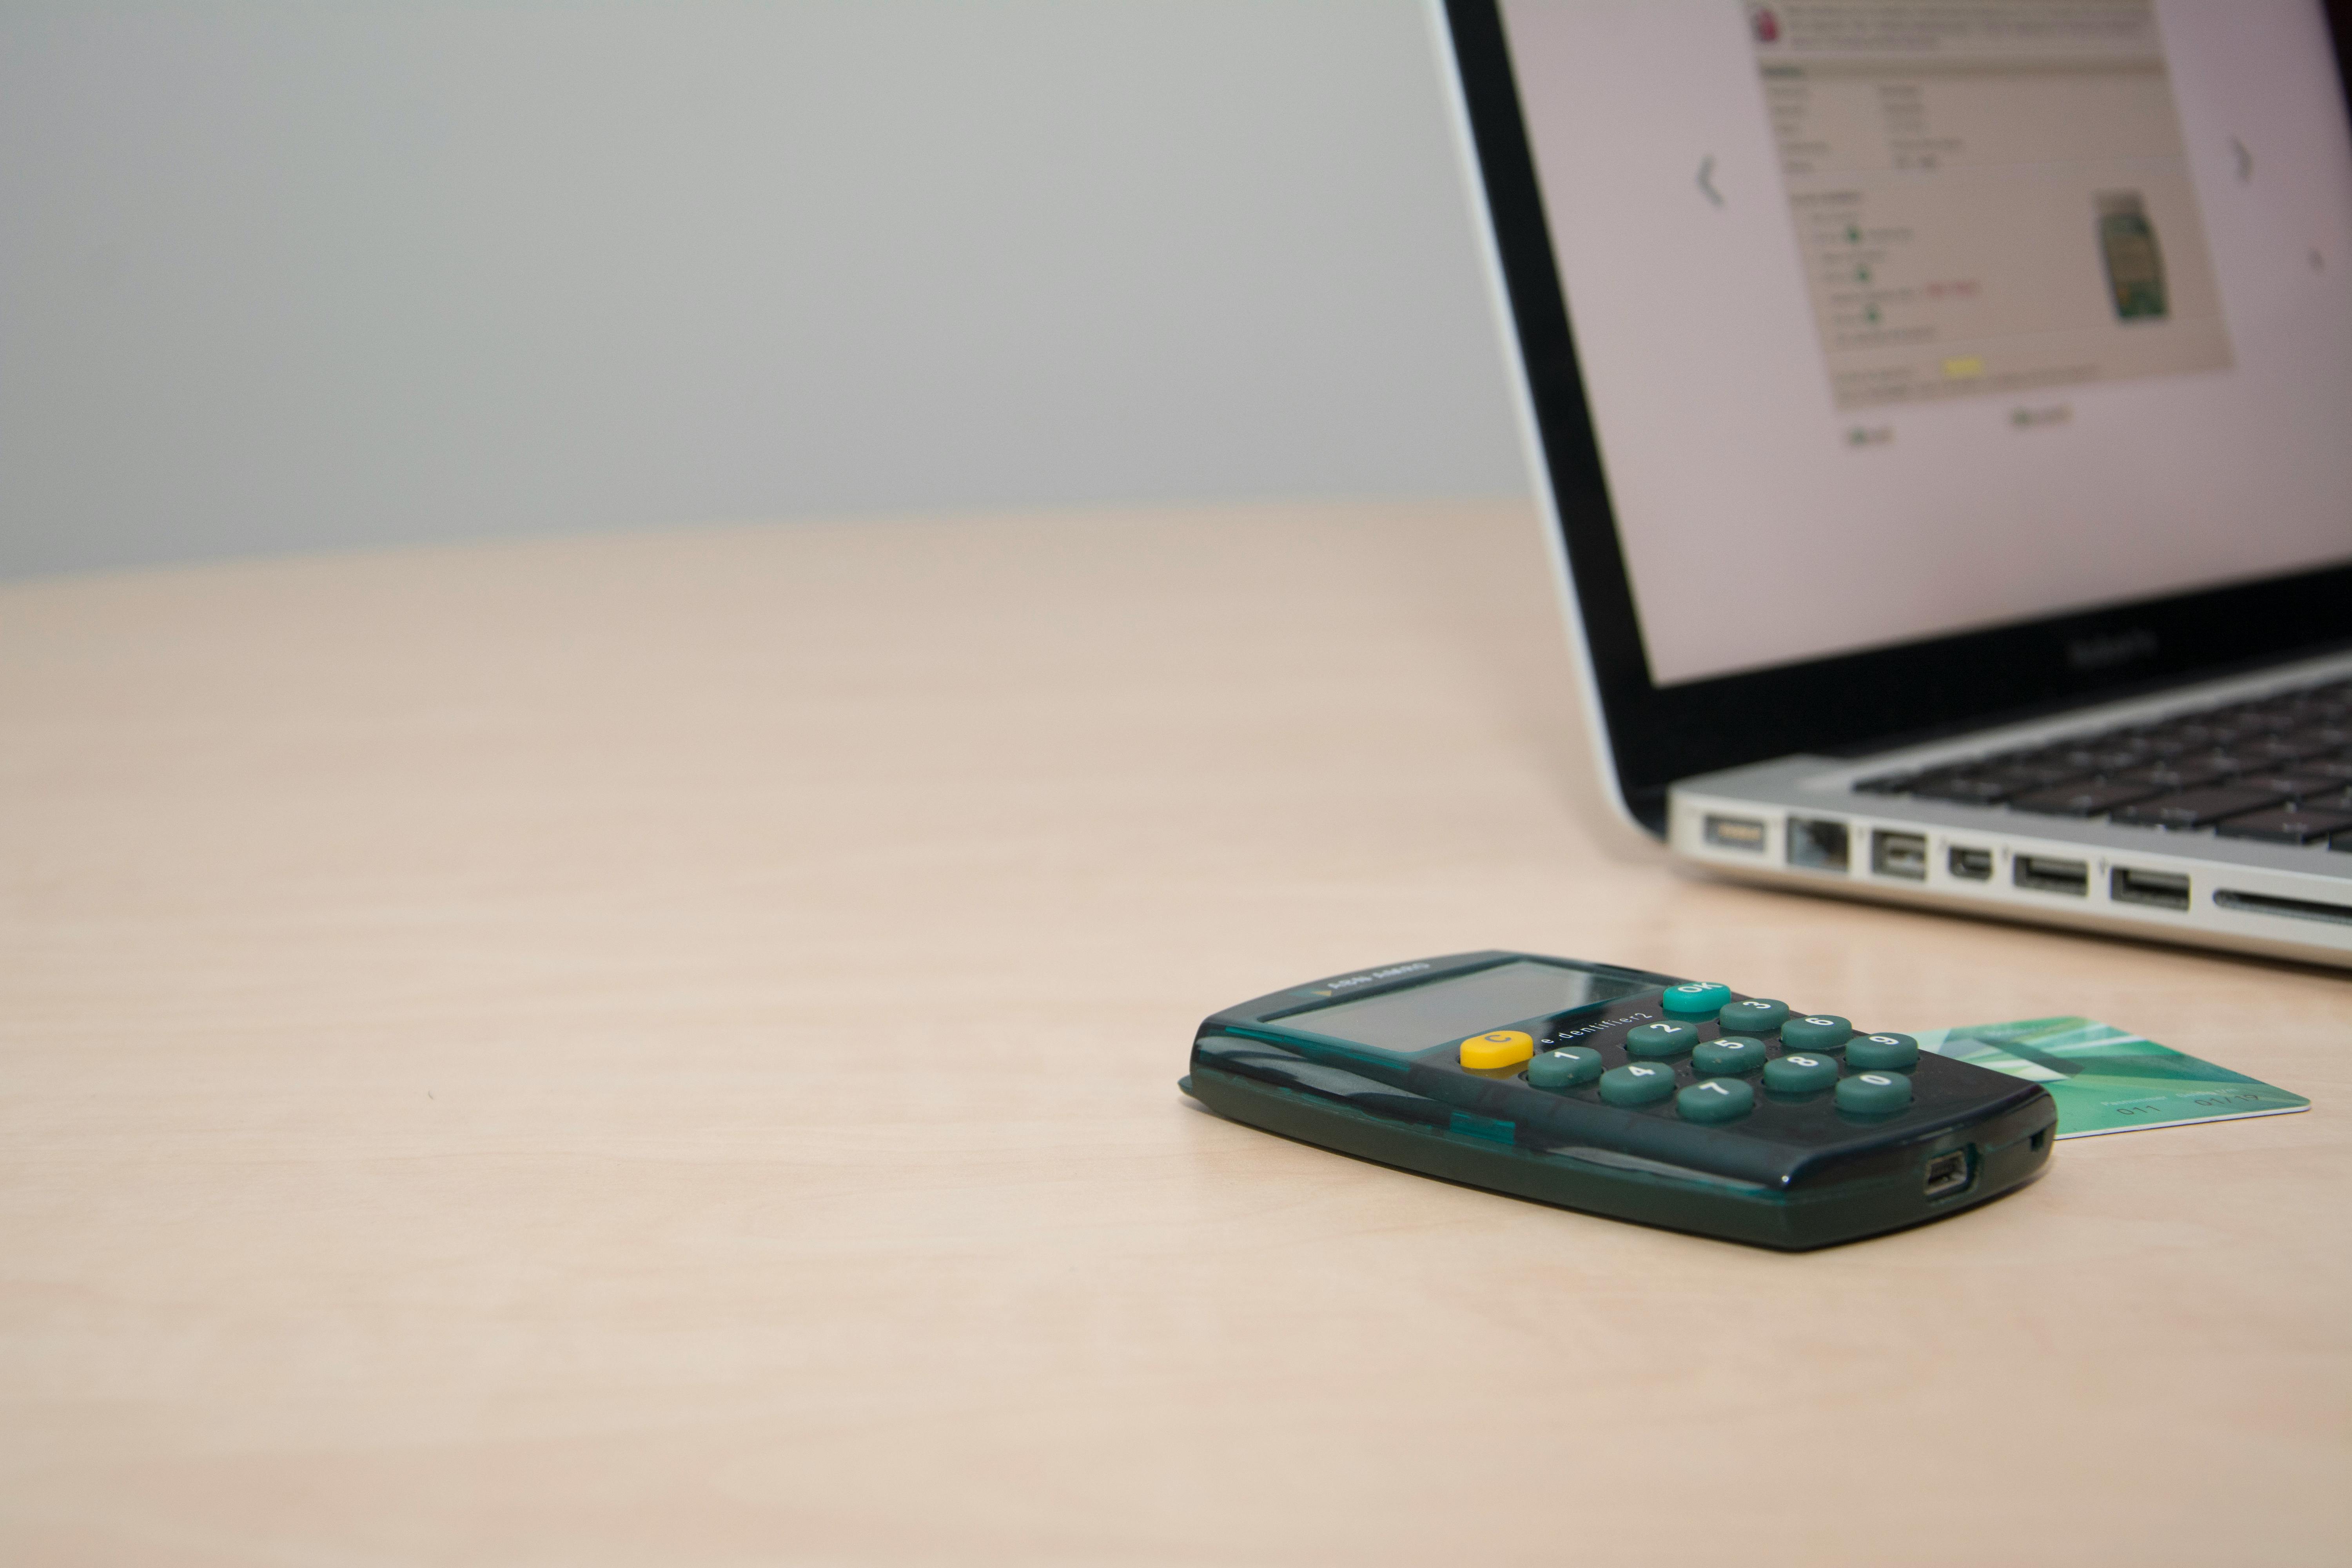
2048, 874
1899, 854
2162, 888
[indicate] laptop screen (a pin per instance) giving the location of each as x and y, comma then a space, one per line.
1899, 321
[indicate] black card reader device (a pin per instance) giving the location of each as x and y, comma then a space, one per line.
1621, 1092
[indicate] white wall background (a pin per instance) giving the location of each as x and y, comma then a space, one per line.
295, 276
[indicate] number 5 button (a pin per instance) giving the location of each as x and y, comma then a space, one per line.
1733, 1053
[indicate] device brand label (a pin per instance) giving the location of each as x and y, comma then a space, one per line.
2116, 647
1348, 983
1618, 1022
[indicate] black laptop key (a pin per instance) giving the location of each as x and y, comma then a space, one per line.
2056, 764
2090, 798
1972, 788
2274, 752
2045, 770
1982, 785
2153, 745
2284, 824
2197, 807
2114, 757
2200, 733
1886, 783
2265, 718
2296, 785
2179, 773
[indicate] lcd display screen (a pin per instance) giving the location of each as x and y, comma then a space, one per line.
1447, 1010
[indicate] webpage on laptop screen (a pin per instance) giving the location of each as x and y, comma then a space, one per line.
1905, 318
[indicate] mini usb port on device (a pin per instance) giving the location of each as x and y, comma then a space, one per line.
1734, 832
1971, 865
2162, 888
1899, 854
1948, 1173
2048, 874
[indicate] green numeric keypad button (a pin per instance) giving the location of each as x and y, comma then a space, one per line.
1717, 1100
1660, 1039
1564, 1069
1878, 1051
1731, 1054
1873, 1093
1637, 1083
1800, 1074
1756, 1016
1815, 1032
1696, 999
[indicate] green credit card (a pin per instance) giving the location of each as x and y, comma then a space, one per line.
2107, 1080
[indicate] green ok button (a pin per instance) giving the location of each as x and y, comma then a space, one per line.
1695, 998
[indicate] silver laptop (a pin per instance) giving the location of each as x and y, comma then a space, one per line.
1942, 412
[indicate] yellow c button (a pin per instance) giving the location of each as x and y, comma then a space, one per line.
1501, 1048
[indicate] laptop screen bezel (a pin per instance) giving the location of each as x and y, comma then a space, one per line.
1848, 703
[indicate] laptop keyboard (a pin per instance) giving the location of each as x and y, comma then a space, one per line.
2277, 768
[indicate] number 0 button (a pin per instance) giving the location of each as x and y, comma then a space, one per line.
1717, 1100
1637, 1083
1873, 1093
1800, 1074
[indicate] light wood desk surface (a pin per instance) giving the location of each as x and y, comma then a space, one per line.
662, 1049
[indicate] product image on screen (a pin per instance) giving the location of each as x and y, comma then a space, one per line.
1446, 1010
1955, 173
